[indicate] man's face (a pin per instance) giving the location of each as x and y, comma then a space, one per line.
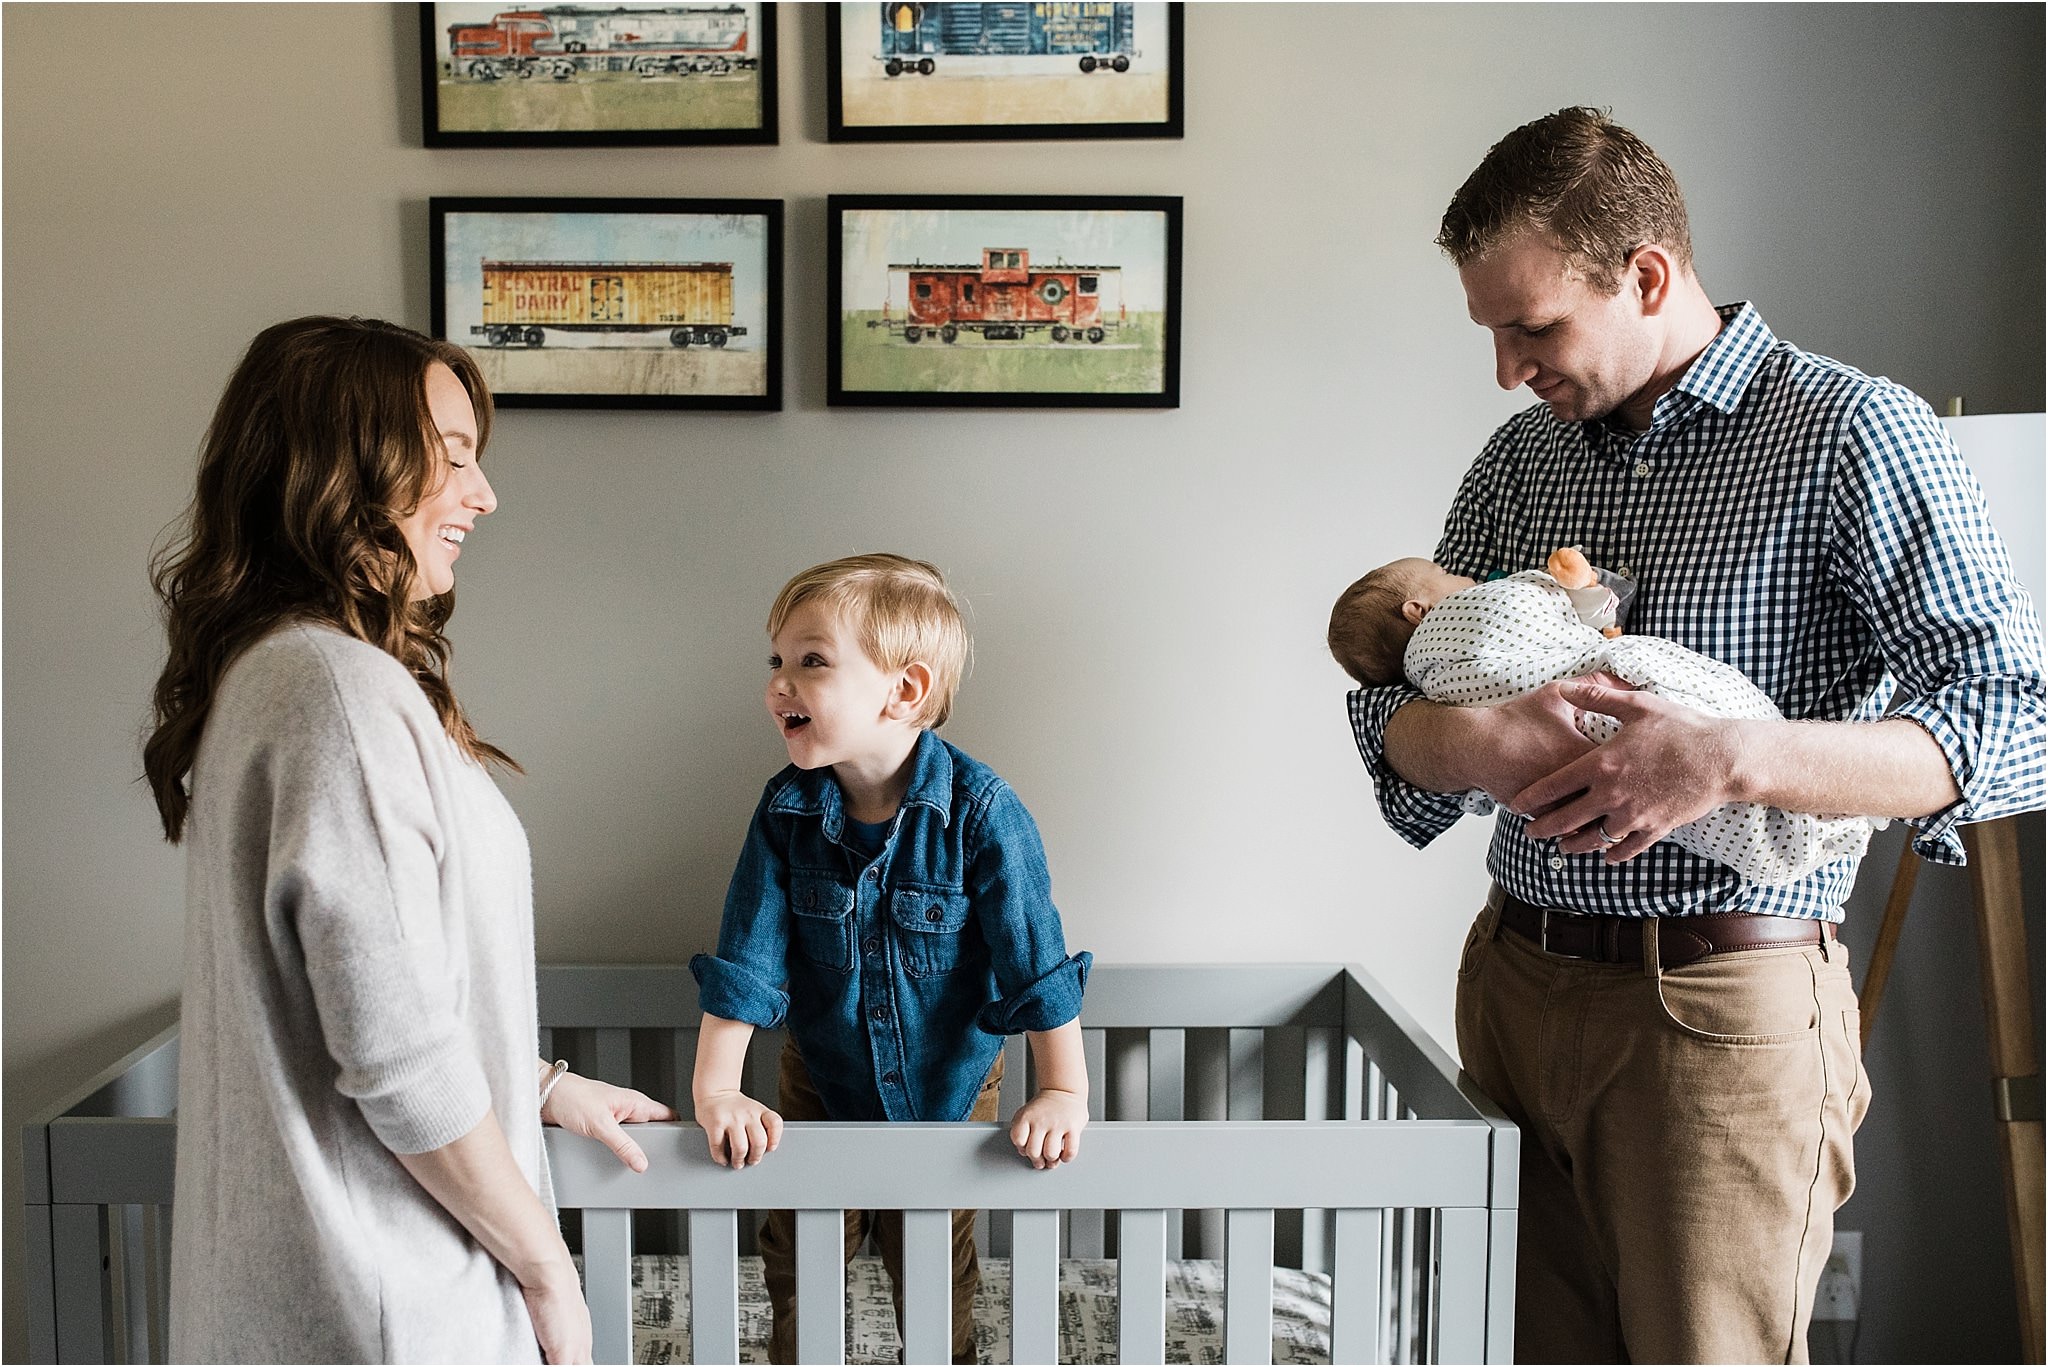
1583, 352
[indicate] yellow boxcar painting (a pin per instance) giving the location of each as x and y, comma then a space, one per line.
607, 297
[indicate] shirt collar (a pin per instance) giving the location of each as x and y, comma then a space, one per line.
1723, 371
815, 792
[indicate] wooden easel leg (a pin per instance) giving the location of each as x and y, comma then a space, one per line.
1993, 848
1881, 953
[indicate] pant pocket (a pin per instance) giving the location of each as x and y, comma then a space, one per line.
1756, 997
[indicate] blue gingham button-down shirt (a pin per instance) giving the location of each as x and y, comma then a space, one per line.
1809, 525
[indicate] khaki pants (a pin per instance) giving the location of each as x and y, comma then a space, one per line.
800, 1101
1685, 1142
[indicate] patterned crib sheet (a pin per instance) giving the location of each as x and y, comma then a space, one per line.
1088, 1312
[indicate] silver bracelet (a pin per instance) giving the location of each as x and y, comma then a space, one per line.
556, 1072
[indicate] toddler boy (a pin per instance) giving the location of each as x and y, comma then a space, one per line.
892, 907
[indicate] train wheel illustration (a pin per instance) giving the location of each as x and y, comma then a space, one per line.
719, 339
562, 71
1060, 333
912, 333
1094, 334
1120, 63
949, 333
679, 336
534, 336
648, 66
1087, 64
484, 70
893, 67
926, 66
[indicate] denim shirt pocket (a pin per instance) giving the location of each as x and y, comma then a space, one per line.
931, 924
821, 909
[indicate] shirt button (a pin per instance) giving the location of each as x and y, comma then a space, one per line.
888, 1077
871, 944
1625, 572
934, 914
1642, 468
881, 1013
1556, 862
874, 875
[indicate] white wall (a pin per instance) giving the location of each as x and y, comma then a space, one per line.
1148, 589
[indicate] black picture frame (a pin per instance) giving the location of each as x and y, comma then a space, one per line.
507, 267
863, 107
1000, 304
539, 77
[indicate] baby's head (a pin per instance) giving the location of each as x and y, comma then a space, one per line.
898, 610
1373, 619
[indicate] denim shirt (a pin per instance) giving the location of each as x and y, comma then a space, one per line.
898, 975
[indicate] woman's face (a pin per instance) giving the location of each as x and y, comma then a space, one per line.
448, 511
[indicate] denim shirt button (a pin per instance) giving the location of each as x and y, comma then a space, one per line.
889, 1077
874, 875
934, 914
870, 945
880, 1013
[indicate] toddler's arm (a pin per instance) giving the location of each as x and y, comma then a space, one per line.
739, 1129
1048, 1127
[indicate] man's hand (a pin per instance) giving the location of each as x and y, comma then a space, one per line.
740, 1130
1048, 1127
595, 1110
1668, 765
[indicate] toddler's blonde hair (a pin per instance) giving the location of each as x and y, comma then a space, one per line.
898, 609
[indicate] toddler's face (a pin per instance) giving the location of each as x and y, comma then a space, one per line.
824, 692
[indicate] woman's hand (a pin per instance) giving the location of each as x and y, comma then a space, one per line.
740, 1130
585, 1106
1048, 1127
561, 1321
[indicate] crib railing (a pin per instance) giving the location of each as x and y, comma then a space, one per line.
1255, 1114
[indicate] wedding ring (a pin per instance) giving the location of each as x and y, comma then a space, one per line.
1600, 826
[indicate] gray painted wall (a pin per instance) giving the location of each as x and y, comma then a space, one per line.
1148, 589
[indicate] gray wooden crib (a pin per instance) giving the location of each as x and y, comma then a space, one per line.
1262, 1115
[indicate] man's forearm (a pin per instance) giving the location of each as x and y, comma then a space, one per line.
1887, 768
1433, 746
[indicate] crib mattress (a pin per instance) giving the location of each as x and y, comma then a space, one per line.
1088, 1312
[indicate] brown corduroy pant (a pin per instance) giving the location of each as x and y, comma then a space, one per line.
799, 1100
1685, 1142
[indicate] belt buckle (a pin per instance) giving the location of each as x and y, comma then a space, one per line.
1543, 929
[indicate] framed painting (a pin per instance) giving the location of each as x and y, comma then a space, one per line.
574, 74
614, 303
990, 301
899, 71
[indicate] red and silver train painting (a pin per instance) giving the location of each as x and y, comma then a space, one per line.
560, 41
1005, 298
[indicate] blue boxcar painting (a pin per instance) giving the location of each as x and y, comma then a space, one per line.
1099, 32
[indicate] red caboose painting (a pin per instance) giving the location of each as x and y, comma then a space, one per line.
1004, 299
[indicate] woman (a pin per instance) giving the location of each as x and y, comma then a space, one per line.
360, 1170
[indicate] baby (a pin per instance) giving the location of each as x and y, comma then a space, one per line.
1475, 645
891, 907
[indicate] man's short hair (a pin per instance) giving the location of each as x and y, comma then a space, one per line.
898, 609
1366, 635
1592, 188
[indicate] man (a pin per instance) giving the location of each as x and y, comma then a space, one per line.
1680, 1047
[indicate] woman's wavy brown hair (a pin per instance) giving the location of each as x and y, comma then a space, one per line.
321, 443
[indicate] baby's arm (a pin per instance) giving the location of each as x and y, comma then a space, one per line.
1048, 1127
739, 1129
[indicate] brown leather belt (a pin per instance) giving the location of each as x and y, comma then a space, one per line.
1681, 940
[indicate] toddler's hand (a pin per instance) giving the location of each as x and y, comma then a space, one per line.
1048, 1128
740, 1130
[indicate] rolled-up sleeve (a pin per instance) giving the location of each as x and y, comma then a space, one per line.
353, 870
1960, 635
747, 979
1008, 884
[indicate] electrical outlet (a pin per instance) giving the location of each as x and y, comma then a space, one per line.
1841, 1280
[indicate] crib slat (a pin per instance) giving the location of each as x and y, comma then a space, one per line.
1248, 1287
1085, 1228
608, 1282
684, 1044
1166, 1099
1355, 1286
1461, 1286
77, 1236
614, 1057
1035, 1287
714, 1286
927, 1286
1318, 1064
821, 1286
1247, 1075
1407, 1271
1141, 1286
134, 1281
1354, 1078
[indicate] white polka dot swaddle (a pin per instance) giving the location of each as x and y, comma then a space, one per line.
1502, 639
